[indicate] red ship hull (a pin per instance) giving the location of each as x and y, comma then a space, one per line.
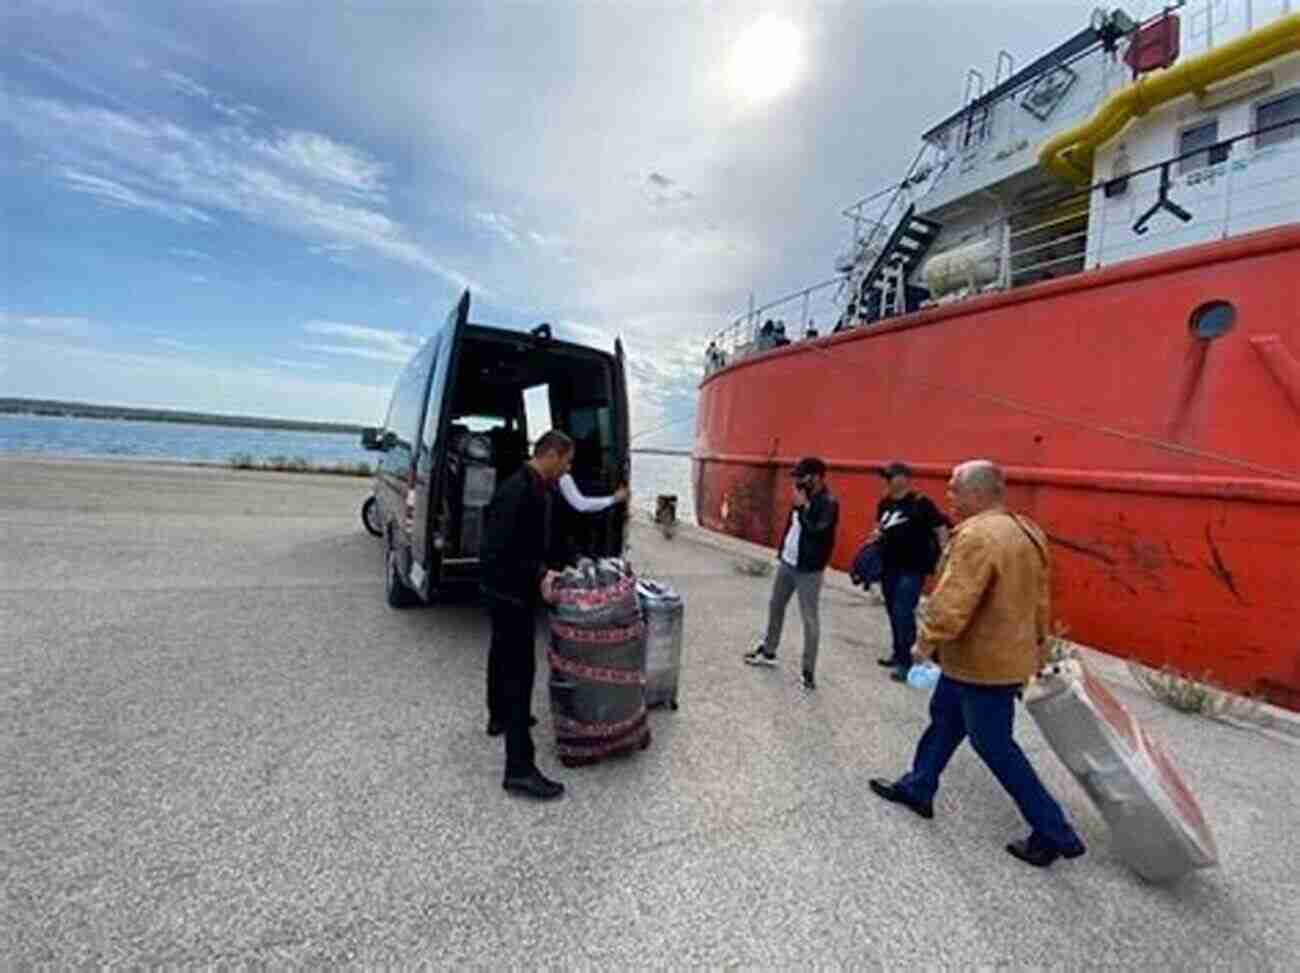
1165, 468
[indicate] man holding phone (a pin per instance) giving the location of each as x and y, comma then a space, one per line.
801, 565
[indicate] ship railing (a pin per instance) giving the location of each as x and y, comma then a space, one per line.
814, 307
1073, 230
1203, 25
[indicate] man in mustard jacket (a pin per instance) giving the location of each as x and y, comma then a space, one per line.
987, 625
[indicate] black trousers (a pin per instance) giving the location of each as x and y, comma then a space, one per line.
511, 670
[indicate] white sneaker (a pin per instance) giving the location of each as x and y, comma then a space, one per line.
759, 657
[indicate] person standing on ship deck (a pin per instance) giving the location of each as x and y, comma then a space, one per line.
987, 623
801, 566
911, 531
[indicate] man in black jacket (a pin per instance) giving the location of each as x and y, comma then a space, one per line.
802, 560
515, 556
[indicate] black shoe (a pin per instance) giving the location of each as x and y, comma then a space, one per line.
1036, 852
898, 675
533, 784
808, 682
887, 662
496, 727
890, 792
760, 657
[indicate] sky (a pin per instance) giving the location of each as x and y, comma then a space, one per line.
262, 206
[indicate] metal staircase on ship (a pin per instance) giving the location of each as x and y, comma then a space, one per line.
884, 291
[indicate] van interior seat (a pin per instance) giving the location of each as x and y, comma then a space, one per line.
509, 450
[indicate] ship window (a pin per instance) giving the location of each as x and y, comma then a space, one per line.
1199, 139
1213, 320
1277, 112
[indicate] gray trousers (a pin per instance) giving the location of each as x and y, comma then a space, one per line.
809, 586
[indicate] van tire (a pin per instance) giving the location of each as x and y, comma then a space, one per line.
396, 593
370, 517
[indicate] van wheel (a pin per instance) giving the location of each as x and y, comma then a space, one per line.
396, 593
370, 517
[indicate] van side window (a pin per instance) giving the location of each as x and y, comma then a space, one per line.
405, 412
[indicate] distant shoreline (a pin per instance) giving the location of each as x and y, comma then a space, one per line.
85, 410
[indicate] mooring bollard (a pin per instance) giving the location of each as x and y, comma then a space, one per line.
666, 513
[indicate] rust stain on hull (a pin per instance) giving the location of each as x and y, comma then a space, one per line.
1092, 552
1219, 569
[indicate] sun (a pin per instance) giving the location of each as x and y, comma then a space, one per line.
766, 59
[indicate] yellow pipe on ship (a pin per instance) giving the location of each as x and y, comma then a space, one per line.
1069, 154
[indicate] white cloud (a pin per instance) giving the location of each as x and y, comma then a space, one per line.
299, 183
66, 325
332, 249
123, 197
360, 351
584, 334
362, 341
322, 159
189, 253
297, 366
186, 85
175, 344
161, 381
360, 332
500, 224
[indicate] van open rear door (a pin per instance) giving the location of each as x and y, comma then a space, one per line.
623, 444
429, 531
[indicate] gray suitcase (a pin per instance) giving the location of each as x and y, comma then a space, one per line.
662, 609
1156, 825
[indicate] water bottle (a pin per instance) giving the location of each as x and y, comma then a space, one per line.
923, 675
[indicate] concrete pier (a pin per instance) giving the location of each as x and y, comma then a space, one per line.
221, 746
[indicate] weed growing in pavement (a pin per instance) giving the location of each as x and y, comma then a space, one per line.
1200, 696
752, 566
297, 464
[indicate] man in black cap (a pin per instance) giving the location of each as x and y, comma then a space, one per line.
911, 531
801, 564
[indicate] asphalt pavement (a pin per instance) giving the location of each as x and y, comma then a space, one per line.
220, 745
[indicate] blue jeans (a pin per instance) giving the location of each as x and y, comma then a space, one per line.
985, 714
902, 590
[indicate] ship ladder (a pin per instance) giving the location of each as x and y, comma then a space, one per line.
883, 292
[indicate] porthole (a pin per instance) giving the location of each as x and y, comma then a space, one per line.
1213, 320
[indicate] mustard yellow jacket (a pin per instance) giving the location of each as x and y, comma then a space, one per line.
987, 620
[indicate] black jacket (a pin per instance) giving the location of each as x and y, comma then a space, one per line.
817, 523
517, 545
